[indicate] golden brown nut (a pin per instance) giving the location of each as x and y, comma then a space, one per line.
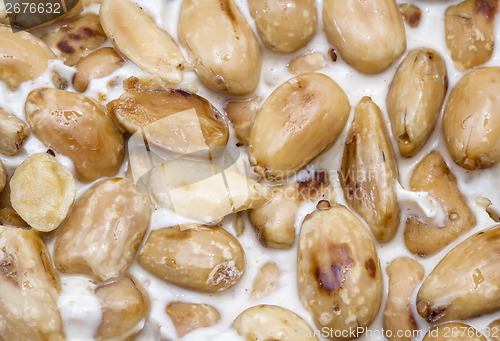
470, 32
339, 275
471, 120
284, 26
299, 120
454, 331
308, 62
404, 274
104, 230
97, 64
221, 44
465, 282
29, 288
124, 305
415, 98
369, 171
370, 35
78, 127
241, 114
433, 176
197, 257
187, 317
266, 280
412, 14
13, 133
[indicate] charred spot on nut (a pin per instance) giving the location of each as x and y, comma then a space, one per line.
486, 7
51, 152
65, 47
309, 189
332, 54
8, 268
371, 267
411, 14
323, 205
331, 270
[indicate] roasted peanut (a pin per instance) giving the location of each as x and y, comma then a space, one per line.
23, 57
271, 322
308, 62
411, 14
97, 64
141, 41
202, 258
404, 274
284, 26
465, 282
221, 44
104, 230
265, 281
76, 37
415, 98
274, 221
370, 35
177, 184
339, 275
13, 133
470, 32
241, 114
433, 176
78, 127
299, 120
124, 305
29, 286
471, 120
42, 191
187, 317
454, 331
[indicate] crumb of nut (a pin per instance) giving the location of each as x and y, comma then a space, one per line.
308, 62
113, 82
333, 54
323, 205
102, 97
59, 82
411, 14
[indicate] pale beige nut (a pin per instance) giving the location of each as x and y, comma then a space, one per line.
78, 127
274, 221
76, 38
493, 330
470, 32
125, 305
454, 331
284, 26
433, 176
412, 14
238, 223
369, 35
308, 62
266, 280
187, 317
178, 183
97, 64
415, 99
299, 120
241, 114
221, 44
104, 230
338, 272
23, 57
369, 171
197, 257
465, 282
13, 133
404, 275
471, 119
42, 191
29, 286
271, 322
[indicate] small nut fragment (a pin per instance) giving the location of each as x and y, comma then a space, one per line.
266, 280
470, 32
197, 257
454, 331
411, 13
238, 223
432, 175
42, 191
241, 114
124, 304
59, 81
308, 62
13, 133
187, 317
97, 64
150, 83
104, 230
271, 322
404, 274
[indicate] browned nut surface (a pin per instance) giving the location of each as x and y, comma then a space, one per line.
370, 35
299, 120
266, 280
187, 317
404, 275
412, 14
415, 99
465, 282
13, 133
339, 275
470, 32
308, 62
433, 176
221, 44
104, 230
201, 258
78, 127
97, 64
471, 122
29, 286
241, 114
454, 331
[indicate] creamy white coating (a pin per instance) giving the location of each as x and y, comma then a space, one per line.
79, 306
